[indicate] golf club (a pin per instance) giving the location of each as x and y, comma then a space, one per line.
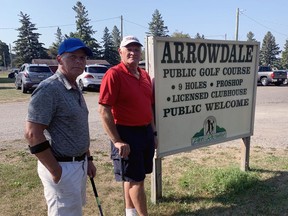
96, 196
123, 179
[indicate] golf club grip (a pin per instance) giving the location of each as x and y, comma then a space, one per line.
94, 187
96, 196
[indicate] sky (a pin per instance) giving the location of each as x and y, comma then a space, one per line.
213, 19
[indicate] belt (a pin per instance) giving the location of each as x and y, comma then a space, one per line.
71, 159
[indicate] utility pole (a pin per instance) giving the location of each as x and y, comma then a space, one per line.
237, 24
121, 27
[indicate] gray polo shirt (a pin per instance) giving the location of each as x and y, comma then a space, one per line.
63, 109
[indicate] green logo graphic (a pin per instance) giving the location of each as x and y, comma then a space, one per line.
210, 132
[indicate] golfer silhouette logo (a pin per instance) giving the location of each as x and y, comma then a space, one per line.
210, 125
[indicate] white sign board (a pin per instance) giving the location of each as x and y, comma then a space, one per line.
205, 91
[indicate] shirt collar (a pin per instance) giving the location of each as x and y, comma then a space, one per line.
124, 68
63, 80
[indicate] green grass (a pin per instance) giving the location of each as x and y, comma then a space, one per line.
4, 77
191, 185
8, 93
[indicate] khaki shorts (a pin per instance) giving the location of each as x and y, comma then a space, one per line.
69, 195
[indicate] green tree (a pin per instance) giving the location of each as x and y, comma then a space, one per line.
109, 53
180, 35
284, 59
116, 39
156, 26
4, 54
27, 46
269, 51
250, 36
84, 31
199, 36
53, 49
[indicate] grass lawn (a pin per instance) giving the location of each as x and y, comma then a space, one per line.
206, 181
8, 92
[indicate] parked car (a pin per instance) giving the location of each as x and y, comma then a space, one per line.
13, 73
266, 76
30, 75
142, 64
91, 77
286, 80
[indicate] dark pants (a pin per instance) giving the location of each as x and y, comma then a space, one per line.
140, 159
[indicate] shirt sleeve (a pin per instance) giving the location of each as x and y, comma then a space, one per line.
41, 107
110, 87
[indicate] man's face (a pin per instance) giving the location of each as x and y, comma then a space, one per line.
73, 64
131, 54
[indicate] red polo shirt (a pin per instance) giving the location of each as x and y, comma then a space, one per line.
130, 98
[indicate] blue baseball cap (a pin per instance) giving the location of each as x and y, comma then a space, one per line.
73, 44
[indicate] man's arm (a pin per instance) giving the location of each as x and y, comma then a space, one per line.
34, 133
111, 130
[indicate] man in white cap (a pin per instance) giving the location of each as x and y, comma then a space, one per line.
125, 106
58, 134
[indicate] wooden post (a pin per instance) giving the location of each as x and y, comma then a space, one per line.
156, 180
245, 153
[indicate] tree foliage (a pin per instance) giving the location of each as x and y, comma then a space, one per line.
27, 46
250, 36
4, 54
180, 35
156, 26
116, 39
53, 49
84, 31
109, 53
284, 60
269, 51
199, 36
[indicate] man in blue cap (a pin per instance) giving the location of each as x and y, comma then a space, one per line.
58, 134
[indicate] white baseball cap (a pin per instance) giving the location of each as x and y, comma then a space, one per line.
128, 40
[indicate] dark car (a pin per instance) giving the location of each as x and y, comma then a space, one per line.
13, 73
142, 64
267, 75
30, 75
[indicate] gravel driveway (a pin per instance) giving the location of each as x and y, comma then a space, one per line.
270, 127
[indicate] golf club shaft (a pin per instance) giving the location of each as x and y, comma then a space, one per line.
96, 196
123, 180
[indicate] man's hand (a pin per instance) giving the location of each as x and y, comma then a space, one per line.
124, 149
56, 176
91, 171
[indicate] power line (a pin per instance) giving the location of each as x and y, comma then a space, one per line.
242, 13
136, 24
63, 25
